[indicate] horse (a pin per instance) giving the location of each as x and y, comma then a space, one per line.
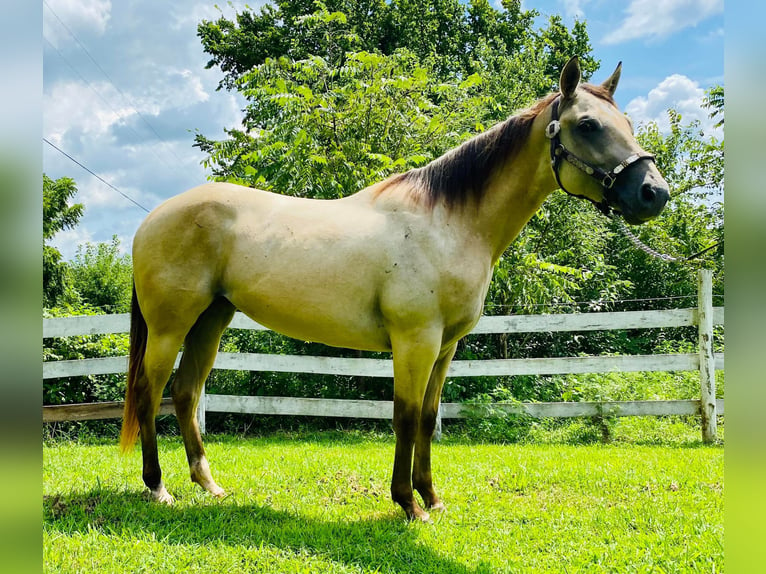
401, 266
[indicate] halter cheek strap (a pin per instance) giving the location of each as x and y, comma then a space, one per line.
607, 179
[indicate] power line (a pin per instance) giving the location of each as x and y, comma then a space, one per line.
76, 71
92, 59
101, 179
111, 82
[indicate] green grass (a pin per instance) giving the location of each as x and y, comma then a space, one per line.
320, 503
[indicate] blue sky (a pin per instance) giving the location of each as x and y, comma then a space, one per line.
124, 89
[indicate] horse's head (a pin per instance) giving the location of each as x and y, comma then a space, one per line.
594, 154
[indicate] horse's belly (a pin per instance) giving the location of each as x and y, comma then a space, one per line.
302, 320
313, 303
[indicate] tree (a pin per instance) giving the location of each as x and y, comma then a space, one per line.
443, 34
317, 130
57, 216
714, 100
103, 277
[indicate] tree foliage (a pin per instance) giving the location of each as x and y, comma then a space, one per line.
714, 101
102, 276
692, 162
58, 215
340, 99
316, 130
443, 34
98, 277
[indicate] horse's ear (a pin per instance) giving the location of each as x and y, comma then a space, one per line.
610, 85
570, 77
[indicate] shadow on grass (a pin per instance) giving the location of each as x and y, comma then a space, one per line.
322, 437
385, 544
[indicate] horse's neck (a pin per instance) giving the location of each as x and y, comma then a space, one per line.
515, 192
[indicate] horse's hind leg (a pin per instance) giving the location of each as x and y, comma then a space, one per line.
421, 470
200, 349
161, 351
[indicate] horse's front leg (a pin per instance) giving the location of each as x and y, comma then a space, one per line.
414, 358
421, 471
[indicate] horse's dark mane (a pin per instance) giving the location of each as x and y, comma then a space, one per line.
463, 172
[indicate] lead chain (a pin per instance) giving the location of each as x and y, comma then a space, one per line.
642, 246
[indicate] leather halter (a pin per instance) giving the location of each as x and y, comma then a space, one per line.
607, 179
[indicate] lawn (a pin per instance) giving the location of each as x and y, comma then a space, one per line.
320, 503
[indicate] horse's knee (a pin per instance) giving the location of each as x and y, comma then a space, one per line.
428, 422
406, 420
185, 397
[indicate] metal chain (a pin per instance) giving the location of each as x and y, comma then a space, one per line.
642, 246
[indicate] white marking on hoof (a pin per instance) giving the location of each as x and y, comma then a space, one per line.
418, 515
438, 507
210, 486
162, 496
217, 491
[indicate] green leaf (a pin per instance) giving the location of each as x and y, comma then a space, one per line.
471, 81
318, 159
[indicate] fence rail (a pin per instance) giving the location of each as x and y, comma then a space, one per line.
705, 316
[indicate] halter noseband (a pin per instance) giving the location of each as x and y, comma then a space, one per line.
607, 179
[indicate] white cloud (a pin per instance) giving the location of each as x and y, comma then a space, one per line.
574, 8
74, 105
94, 193
655, 19
678, 92
185, 16
77, 15
176, 88
94, 109
69, 240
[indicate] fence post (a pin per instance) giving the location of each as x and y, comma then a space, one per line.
438, 428
707, 359
201, 409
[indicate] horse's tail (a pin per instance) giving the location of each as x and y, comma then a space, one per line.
138, 333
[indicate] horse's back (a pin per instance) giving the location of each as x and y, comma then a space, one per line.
343, 272
307, 268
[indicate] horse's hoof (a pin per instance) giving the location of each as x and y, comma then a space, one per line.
438, 507
209, 485
215, 490
417, 514
162, 496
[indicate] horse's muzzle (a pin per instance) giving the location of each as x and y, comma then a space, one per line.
645, 202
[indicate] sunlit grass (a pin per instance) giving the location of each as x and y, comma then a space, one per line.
320, 503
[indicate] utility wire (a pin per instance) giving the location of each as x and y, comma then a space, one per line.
101, 179
92, 59
109, 79
76, 71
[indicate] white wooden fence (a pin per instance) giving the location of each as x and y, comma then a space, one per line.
704, 316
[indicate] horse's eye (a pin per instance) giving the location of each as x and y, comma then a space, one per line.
588, 125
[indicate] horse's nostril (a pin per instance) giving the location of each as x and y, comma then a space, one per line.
648, 193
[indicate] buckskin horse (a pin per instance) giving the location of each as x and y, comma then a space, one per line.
403, 266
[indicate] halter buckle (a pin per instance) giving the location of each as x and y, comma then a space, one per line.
552, 129
608, 181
